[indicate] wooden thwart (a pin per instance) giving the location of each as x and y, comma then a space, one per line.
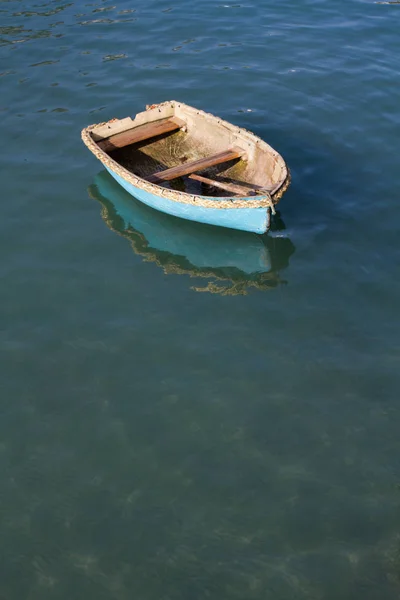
196, 165
138, 134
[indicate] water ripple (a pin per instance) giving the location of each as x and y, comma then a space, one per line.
158, 442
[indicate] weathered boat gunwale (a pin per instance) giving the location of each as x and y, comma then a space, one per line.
263, 200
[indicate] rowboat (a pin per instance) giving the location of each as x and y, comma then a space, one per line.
230, 262
193, 165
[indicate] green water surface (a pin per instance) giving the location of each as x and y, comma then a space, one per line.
172, 428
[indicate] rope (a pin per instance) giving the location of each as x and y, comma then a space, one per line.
271, 204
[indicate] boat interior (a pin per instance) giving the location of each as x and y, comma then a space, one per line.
181, 148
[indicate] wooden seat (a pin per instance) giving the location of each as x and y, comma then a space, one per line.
197, 165
140, 133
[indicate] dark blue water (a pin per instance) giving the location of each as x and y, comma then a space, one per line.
173, 426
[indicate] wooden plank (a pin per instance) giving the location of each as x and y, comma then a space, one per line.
196, 165
234, 188
140, 133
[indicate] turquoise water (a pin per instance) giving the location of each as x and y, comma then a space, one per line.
185, 412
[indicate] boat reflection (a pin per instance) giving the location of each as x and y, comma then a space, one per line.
232, 261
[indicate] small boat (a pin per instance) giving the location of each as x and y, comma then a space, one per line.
230, 262
191, 164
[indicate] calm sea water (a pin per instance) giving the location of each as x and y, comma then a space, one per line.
189, 413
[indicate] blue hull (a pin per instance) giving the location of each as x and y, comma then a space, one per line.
256, 220
202, 246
